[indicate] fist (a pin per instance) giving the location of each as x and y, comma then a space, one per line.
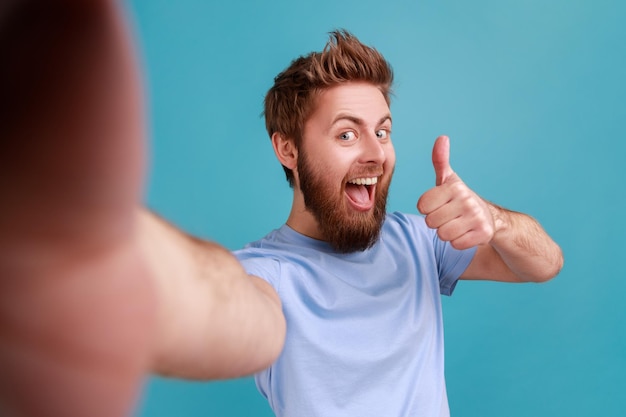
460, 216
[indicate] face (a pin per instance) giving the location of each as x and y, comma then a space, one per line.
345, 165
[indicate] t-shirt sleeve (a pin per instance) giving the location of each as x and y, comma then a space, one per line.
451, 263
442, 259
261, 265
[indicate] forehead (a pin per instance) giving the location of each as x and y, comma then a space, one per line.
359, 99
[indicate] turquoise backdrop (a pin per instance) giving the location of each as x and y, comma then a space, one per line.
532, 94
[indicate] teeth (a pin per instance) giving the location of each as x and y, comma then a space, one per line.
364, 181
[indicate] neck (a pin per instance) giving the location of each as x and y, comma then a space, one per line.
301, 220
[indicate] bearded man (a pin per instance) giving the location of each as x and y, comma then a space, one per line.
360, 287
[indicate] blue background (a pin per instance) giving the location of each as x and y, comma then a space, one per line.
532, 94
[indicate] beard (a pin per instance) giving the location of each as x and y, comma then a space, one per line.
346, 230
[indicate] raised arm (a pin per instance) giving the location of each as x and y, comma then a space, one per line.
519, 251
511, 246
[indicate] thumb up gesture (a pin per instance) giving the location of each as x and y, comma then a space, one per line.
460, 216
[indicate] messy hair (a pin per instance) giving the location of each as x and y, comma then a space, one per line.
292, 98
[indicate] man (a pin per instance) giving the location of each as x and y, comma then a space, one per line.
94, 292
361, 287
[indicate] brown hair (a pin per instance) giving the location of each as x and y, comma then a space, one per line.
291, 100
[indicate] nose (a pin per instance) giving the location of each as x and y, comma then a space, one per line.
372, 149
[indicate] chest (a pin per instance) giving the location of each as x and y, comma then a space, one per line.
360, 309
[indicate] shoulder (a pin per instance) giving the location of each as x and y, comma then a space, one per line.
260, 260
398, 219
409, 234
410, 228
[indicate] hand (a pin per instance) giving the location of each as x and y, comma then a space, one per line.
460, 216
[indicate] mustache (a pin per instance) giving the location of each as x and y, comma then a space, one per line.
366, 172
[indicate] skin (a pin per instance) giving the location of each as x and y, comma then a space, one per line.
76, 305
341, 136
213, 320
512, 247
95, 292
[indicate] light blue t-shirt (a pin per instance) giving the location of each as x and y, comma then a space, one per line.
365, 329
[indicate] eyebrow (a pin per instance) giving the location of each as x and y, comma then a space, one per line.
357, 120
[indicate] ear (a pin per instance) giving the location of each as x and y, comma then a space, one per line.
285, 150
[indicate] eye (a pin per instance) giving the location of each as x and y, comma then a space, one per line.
347, 135
382, 134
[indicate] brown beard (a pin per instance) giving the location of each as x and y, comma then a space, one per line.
345, 231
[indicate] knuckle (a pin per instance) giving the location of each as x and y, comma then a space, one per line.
458, 244
459, 189
429, 221
422, 205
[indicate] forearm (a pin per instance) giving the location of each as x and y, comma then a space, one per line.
524, 246
214, 320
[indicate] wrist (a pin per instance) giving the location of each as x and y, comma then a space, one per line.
501, 219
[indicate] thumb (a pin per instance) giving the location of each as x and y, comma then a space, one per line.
441, 159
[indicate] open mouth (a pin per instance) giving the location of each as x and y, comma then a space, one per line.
361, 192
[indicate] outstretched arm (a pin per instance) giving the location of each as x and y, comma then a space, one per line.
77, 307
512, 246
94, 296
214, 320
